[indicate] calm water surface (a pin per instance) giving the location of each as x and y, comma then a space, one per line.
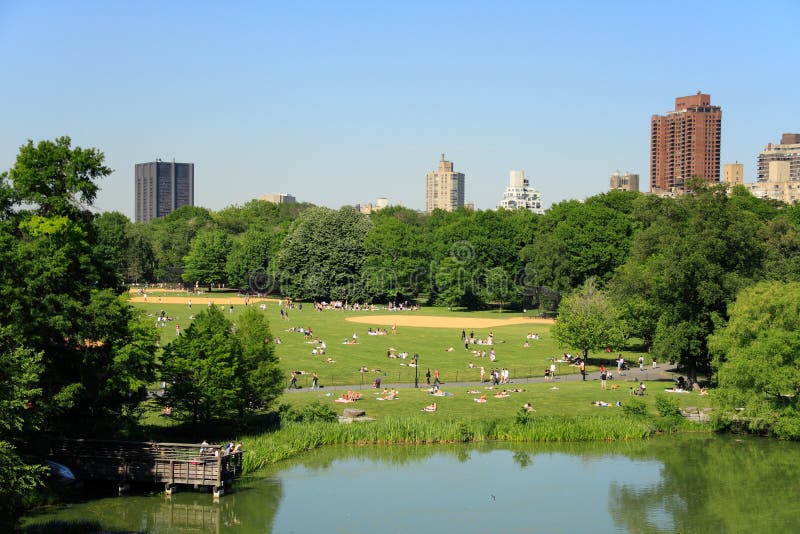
667, 484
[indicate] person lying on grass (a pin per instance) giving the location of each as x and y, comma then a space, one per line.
430, 408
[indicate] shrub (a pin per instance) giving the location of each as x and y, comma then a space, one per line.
316, 411
635, 407
667, 406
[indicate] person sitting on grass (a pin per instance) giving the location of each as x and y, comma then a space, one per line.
480, 399
527, 407
430, 408
501, 394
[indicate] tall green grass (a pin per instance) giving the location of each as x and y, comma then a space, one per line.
294, 438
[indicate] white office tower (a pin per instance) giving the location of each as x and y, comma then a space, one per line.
519, 194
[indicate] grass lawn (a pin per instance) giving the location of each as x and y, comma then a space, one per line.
370, 352
570, 398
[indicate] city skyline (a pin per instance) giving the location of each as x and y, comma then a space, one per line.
339, 102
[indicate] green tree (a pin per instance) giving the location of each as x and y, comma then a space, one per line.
207, 258
688, 262
57, 295
203, 369
757, 360
397, 255
497, 286
20, 369
576, 241
247, 265
112, 247
323, 255
588, 321
171, 236
56, 178
259, 365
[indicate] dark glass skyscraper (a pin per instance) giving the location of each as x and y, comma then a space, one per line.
162, 187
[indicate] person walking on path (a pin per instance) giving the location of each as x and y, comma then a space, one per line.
293, 381
641, 363
583, 370
314, 381
603, 376
553, 371
436, 381
428, 376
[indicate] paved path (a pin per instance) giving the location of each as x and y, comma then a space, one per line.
660, 373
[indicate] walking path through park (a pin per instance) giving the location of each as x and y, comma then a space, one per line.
633, 376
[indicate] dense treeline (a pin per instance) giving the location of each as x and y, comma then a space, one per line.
472, 258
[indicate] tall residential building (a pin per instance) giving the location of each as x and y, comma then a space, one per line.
733, 173
623, 182
787, 152
519, 195
779, 171
162, 187
685, 143
445, 188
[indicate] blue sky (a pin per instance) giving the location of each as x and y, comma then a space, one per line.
344, 102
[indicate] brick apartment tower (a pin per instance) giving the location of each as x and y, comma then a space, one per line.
685, 143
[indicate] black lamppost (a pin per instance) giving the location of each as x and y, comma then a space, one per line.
416, 370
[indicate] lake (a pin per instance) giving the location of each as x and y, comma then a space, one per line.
682, 483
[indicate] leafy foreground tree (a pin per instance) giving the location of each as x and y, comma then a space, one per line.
216, 370
757, 361
19, 375
59, 301
587, 320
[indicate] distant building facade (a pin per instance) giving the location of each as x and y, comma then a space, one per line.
279, 198
445, 188
162, 187
685, 143
368, 209
623, 182
733, 174
520, 195
779, 171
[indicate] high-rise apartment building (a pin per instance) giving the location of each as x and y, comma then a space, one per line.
685, 143
623, 182
733, 173
779, 171
162, 187
786, 154
519, 195
445, 188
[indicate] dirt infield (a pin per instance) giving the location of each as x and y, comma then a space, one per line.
430, 321
198, 300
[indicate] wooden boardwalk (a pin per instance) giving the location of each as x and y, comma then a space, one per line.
171, 464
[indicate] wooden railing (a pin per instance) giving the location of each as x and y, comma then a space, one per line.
167, 463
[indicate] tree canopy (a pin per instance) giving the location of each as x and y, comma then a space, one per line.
757, 360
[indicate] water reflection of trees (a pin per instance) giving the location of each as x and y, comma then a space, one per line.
710, 484
193, 512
